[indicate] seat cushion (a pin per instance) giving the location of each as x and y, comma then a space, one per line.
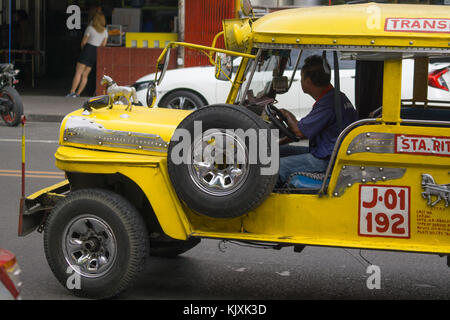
309, 180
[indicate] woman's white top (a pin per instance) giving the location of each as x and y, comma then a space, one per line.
95, 38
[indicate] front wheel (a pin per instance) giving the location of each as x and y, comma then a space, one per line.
13, 111
95, 243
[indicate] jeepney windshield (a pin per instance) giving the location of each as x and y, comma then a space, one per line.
262, 78
282, 62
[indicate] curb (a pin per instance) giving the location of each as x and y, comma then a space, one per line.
44, 117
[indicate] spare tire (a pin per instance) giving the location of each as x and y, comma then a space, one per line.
215, 164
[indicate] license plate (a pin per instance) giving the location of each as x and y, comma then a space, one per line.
384, 211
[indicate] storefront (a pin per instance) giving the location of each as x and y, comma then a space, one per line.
193, 21
137, 31
51, 31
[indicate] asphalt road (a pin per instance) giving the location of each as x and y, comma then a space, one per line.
207, 271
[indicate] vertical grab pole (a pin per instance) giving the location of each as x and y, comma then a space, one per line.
22, 196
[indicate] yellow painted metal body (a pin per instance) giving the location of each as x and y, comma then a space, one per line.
392, 85
141, 120
285, 218
350, 25
330, 219
148, 172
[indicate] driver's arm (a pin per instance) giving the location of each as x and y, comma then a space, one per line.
284, 140
292, 124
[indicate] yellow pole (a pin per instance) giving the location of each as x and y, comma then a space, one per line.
392, 90
22, 196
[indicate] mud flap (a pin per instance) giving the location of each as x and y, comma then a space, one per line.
35, 208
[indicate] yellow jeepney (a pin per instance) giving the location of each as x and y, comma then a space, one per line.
387, 185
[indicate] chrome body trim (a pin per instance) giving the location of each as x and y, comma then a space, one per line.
86, 131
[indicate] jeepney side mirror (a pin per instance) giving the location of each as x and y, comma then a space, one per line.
246, 7
151, 94
223, 67
280, 84
162, 68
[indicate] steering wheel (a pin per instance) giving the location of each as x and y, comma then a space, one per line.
279, 121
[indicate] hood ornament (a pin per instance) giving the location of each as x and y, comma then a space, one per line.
116, 92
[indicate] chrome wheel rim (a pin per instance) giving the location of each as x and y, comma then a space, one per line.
218, 169
183, 103
89, 246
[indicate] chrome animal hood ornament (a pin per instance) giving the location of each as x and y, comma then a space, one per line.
115, 92
441, 191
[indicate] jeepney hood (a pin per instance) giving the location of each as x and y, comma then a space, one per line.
142, 130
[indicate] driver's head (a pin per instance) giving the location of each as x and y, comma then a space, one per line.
314, 76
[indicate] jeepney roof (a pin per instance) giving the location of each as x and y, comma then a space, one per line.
370, 27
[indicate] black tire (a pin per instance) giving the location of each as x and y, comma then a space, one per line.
172, 249
12, 116
192, 101
250, 188
122, 226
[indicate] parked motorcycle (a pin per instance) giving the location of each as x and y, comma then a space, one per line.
11, 106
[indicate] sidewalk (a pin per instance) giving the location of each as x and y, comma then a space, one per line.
49, 108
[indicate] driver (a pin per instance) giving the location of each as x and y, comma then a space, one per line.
319, 125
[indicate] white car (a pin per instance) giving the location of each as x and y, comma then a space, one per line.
191, 88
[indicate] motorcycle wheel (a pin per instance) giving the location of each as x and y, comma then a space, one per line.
15, 112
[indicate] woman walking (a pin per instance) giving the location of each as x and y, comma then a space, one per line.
95, 36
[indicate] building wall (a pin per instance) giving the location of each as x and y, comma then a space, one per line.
126, 65
203, 20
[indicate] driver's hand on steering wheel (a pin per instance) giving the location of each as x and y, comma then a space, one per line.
291, 121
287, 114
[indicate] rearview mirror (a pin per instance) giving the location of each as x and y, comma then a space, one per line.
162, 67
280, 84
223, 67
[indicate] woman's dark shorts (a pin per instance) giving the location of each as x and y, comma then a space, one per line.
88, 55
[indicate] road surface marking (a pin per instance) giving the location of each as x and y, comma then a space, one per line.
31, 141
33, 174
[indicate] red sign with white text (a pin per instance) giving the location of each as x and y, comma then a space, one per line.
417, 25
423, 145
